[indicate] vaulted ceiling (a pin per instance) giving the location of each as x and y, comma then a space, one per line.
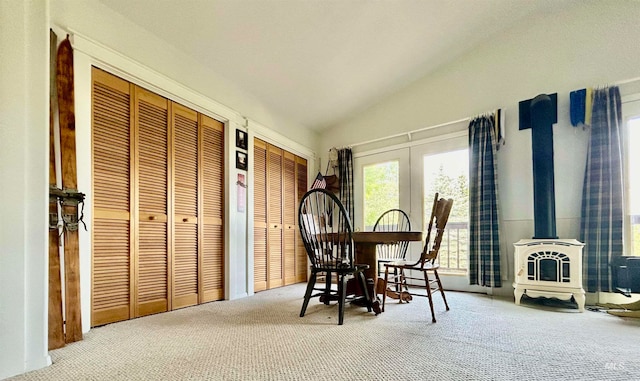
317, 62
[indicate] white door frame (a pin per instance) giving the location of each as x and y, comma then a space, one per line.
630, 110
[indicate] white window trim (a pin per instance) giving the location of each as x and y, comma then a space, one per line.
630, 110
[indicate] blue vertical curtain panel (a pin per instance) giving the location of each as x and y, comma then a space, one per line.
602, 214
484, 238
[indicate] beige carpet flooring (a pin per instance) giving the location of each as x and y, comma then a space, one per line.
262, 338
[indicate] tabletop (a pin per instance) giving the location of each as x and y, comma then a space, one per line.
386, 237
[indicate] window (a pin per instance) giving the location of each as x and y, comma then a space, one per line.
631, 133
381, 190
407, 175
448, 174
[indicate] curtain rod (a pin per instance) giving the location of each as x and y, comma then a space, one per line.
624, 82
408, 133
617, 83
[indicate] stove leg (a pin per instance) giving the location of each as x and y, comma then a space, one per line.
580, 299
518, 292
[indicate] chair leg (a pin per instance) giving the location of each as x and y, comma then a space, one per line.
307, 294
435, 272
398, 285
363, 284
402, 286
342, 295
426, 280
386, 284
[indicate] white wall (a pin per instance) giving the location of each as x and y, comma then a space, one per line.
24, 126
103, 38
593, 43
91, 18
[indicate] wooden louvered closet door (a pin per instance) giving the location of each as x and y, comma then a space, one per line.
274, 213
211, 251
280, 180
185, 191
112, 193
158, 203
301, 261
260, 215
289, 216
152, 259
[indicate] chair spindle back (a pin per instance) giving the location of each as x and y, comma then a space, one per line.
326, 230
440, 215
393, 220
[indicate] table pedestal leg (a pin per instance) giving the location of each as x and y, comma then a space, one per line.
366, 254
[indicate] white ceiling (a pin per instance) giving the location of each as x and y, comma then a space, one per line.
316, 62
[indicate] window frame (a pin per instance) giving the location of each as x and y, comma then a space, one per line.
412, 189
630, 110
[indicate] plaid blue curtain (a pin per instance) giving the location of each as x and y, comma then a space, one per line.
601, 222
345, 170
484, 239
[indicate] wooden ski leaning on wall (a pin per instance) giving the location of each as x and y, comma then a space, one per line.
64, 83
56, 325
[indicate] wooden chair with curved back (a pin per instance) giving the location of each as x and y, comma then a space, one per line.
327, 235
427, 262
393, 220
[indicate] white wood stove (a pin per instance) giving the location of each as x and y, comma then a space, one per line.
550, 268
546, 266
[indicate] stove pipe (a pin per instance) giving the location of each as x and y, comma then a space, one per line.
543, 112
540, 113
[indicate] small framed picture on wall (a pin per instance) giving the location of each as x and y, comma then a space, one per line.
241, 139
241, 160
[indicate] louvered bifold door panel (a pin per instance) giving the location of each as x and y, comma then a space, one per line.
274, 217
111, 228
301, 188
185, 188
289, 217
212, 196
259, 215
152, 260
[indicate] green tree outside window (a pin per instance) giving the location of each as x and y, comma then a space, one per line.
381, 190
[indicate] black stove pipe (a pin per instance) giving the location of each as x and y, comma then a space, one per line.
539, 114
